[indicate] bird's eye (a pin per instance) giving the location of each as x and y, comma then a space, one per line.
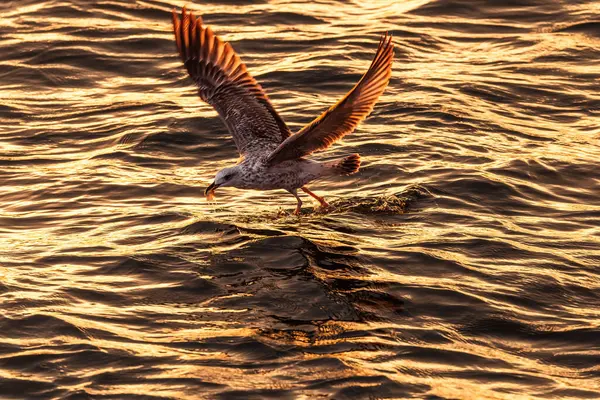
228, 177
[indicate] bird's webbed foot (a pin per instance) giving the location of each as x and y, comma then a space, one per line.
323, 204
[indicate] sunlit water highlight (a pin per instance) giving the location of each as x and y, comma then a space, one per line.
461, 262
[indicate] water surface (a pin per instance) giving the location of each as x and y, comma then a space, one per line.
118, 280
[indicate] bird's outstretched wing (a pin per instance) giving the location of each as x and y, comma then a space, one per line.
224, 82
344, 116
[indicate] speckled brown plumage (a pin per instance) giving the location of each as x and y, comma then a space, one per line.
272, 158
224, 82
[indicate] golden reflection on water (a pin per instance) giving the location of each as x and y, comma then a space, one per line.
74, 203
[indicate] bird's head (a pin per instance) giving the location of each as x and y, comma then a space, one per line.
225, 177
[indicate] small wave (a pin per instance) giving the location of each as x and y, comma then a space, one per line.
377, 205
591, 28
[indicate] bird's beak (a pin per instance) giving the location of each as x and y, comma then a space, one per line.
210, 191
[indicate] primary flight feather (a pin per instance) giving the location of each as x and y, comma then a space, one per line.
272, 158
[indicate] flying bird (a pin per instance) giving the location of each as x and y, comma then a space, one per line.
271, 157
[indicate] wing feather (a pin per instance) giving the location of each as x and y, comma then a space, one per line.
343, 117
224, 82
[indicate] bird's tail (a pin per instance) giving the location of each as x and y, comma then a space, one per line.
346, 166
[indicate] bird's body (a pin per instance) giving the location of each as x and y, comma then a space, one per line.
272, 157
256, 174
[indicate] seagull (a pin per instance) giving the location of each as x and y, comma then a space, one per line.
271, 157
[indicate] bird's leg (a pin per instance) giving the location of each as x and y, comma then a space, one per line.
321, 200
299, 206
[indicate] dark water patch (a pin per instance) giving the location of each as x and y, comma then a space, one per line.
81, 192
451, 357
236, 2
256, 394
155, 267
416, 336
427, 264
367, 387
28, 161
16, 388
442, 303
4, 289
8, 112
190, 136
532, 170
576, 393
492, 95
507, 328
60, 11
28, 326
327, 79
287, 18
471, 28
478, 189
257, 351
75, 58
500, 377
447, 7
95, 296
322, 362
164, 218
574, 360
210, 227
374, 304
193, 385
115, 108
280, 282
568, 56
31, 222
75, 259
591, 28
526, 11
190, 290
90, 249
553, 295
146, 161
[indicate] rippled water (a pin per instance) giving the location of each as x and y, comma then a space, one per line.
117, 278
